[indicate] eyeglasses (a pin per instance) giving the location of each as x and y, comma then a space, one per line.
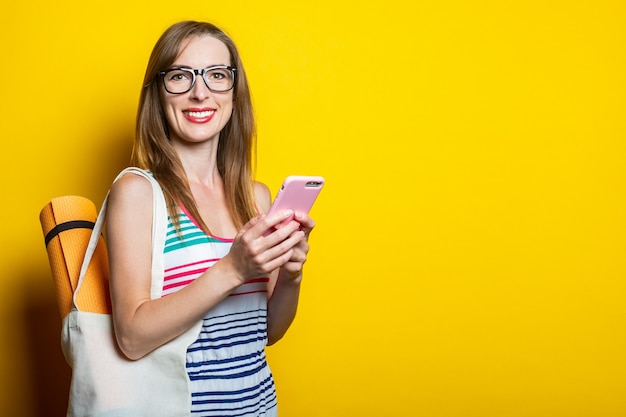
218, 78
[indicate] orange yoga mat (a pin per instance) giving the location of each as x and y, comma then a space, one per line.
67, 223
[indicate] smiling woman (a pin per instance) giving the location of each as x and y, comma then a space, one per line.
223, 272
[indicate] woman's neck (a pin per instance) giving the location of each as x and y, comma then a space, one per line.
200, 162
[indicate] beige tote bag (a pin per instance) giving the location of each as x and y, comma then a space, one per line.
104, 382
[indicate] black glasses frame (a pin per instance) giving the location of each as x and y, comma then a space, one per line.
201, 72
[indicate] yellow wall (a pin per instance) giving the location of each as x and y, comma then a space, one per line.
469, 256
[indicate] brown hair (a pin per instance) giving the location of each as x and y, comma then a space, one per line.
152, 149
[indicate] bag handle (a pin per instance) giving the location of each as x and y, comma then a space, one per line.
159, 227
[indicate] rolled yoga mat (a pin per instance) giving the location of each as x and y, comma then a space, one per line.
67, 223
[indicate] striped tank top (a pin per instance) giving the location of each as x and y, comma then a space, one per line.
226, 365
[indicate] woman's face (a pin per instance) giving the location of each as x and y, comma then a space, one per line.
199, 114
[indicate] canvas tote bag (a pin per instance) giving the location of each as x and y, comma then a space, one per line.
104, 382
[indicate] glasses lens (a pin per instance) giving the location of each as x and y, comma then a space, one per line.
178, 80
219, 79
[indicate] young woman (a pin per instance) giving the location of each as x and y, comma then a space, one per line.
195, 133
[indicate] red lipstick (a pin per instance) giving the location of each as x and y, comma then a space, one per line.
199, 115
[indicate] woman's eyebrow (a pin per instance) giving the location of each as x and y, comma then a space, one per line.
208, 66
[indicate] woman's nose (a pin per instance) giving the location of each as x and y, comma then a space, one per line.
200, 91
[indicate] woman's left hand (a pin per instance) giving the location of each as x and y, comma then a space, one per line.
292, 269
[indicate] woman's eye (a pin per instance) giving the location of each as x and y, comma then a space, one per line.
217, 76
178, 76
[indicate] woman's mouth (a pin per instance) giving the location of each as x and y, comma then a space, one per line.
199, 115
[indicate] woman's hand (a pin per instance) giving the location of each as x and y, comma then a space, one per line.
255, 253
292, 269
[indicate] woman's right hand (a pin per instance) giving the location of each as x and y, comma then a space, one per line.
255, 253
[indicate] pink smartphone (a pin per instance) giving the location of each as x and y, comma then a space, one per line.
297, 193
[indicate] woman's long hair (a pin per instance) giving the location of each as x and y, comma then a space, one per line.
152, 149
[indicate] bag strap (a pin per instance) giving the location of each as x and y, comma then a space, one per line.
159, 228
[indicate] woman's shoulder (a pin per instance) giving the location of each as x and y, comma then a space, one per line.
130, 204
262, 196
132, 186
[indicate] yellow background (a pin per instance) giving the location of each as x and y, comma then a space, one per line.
469, 254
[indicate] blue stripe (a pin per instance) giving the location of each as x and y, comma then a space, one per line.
185, 225
228, 318
236, 372
220, 411
209, 341
191, 235
186, 236
201, 340
225, 361
227, 345
218, 366
243, 374
236, 392
241, 323
170, 247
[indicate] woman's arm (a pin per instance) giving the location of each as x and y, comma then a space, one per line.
141, 324
284, 285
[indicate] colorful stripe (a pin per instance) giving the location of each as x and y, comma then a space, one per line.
227, 367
